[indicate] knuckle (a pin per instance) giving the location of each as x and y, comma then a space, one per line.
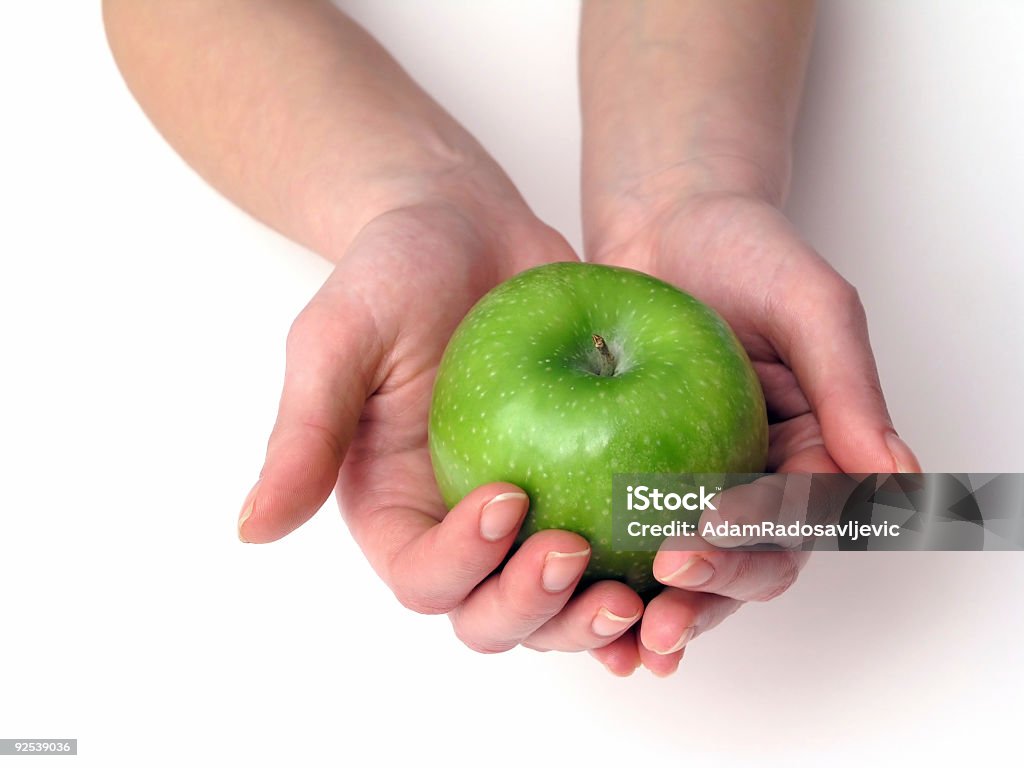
522, 608
407, 570
845, 294
744, 571
528, 615
422, 602
873, 387
761, 576
487, 647
788, 569
533, 646
301, 329
484, 645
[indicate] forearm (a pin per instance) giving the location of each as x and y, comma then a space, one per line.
688, 96
293, 112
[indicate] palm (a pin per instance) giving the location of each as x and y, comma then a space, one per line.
743, 258
740, 256
426, 274
388, 459
362, 358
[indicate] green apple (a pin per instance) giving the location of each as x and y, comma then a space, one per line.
571, 372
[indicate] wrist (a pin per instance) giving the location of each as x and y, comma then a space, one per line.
457, 189
621, 208
332, 202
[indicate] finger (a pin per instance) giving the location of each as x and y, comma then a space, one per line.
533, 586
796, 445
772, 509
660, 664
673, 619
823, 335
333, 353
782, 392
621, 657
746, 576
432, 566
602, 613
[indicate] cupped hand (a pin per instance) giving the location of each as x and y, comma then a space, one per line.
805, 331
361, 360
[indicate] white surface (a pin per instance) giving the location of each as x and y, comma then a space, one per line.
143, 324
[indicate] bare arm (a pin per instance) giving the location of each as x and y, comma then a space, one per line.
294, 112
688, 114
688, 95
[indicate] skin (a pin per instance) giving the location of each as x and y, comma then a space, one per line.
340, 151
688, 114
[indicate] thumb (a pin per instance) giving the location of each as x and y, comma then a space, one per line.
332, 356
823, 337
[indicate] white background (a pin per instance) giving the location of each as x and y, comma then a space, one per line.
142, 322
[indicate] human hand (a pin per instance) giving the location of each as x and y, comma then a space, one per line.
361, 361
804, 328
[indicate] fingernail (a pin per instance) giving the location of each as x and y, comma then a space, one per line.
694, 572
502, 514
904, 458
607, 623
561, 569
686, 637
246, 513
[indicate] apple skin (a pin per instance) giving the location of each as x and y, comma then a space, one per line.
518, 398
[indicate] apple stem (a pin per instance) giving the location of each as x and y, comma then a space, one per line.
606, 360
